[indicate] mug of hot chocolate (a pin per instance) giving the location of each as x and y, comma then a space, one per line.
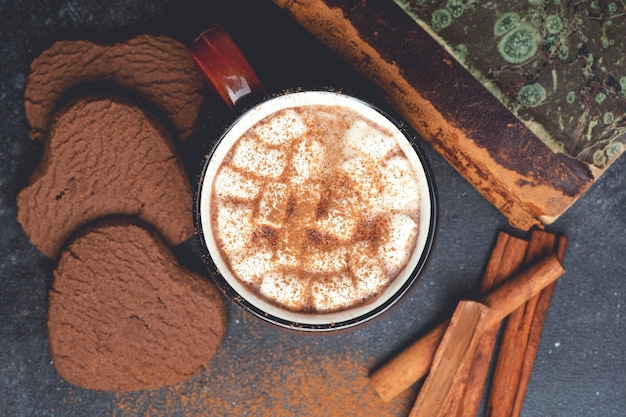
315, 210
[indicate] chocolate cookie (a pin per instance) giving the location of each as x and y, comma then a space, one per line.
105, 157
155, 67
124, 316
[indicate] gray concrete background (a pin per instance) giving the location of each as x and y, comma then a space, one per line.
581, 365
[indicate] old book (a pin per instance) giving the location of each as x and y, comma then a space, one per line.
524, 98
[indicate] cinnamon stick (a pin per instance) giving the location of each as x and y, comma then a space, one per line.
520, 339
408, 366
451, 360
543, 304
541, 313
405, 369
506, 258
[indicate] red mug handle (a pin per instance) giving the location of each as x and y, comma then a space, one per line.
224, 67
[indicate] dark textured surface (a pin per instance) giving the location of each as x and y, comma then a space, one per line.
581, 364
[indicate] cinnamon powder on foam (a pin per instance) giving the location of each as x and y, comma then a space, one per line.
292, 228
276, 380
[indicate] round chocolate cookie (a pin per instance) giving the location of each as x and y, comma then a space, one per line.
124, 316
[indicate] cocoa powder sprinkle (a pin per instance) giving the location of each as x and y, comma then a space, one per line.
278, 379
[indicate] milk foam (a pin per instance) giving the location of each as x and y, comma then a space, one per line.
281, 129
235, 224
285, 289
254, 157
399, 243
308, 161
366, 140
273, 204
315, 208
332, 293
230, 184
400, 192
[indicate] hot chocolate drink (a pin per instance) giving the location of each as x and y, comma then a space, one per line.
315, 203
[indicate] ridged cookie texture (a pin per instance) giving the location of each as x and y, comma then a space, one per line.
124, 316
155, 67
105, 157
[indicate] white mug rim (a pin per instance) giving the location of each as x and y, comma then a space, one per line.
273, 313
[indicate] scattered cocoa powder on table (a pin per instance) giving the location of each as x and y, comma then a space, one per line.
278, 379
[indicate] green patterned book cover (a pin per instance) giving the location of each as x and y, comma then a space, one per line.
559, 66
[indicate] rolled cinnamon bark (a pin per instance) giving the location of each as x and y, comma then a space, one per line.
411, 365
520, 339
506, 258
452, 360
